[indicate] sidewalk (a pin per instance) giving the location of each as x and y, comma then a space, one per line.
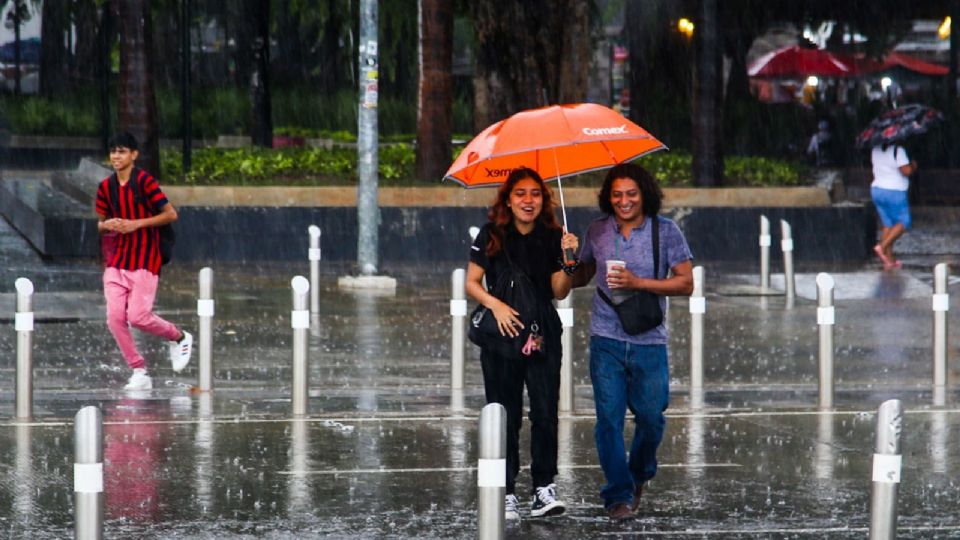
382, 455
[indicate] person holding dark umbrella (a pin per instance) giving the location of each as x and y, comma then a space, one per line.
891, 180
892, 169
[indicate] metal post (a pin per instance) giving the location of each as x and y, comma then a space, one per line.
941, 304
205, 311
23, 324
88, 474
565, 311
886, 471
300, 322
458, 315
314, 257
492, 472
764, 253
825, 320
786, 245
698, 306
367, 150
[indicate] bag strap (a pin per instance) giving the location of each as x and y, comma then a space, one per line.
113, 185
655, 239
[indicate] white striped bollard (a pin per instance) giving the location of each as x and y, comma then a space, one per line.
313, 254
205, 312
941, 304
565, 311
492, 472
23, 324
764, 253
300, 322
826, 317
458, 316
887, 463
698, 306
88, 474
786, 246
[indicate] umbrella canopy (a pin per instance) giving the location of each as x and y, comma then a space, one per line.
898, 124
798, 62
556, 141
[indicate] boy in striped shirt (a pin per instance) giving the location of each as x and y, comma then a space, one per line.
132, 270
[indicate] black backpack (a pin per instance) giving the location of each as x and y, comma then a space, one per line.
168, 237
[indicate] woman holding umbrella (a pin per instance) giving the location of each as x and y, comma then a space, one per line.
523, 234
891, 180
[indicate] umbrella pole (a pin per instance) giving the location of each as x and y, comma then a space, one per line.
568, 255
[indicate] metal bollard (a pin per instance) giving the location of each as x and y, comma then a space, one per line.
764, 252
23, 324
565, 311
698, 306
458, 315
88, 474
300, 322
314, 257
786, 246
825, 320
887, 462
205, 311
941, 304
492, 472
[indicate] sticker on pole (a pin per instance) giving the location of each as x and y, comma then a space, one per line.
825, 315
300, 319
698, 304
941, 302
786, 244
566, 317
492, 473
88, 477
23, 322
764, 240
313, 254
458, 308
205, 308
886, 468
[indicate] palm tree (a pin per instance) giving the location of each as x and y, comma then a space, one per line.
707, 92
435, 88
137, 104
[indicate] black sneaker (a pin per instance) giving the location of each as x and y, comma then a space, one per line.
545, 502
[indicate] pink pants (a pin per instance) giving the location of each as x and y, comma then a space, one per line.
130, 295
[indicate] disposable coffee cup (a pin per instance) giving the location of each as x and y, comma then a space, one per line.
613, 262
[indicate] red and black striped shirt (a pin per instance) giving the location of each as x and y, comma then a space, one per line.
141, 248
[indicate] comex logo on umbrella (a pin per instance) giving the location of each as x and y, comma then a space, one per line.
621, 130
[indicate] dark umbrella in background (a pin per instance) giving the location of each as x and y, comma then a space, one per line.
898, 124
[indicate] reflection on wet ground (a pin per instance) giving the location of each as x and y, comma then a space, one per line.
382, 454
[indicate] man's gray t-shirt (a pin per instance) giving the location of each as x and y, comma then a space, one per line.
604, 241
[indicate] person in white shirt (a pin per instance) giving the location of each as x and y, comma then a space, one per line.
891, 180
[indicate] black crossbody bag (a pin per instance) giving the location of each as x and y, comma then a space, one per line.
641, 311
515, 288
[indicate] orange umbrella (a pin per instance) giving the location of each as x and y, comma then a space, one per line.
556, 141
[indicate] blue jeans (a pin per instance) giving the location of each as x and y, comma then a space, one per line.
635, 376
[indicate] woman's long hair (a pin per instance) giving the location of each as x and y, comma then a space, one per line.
650, 193
501, 216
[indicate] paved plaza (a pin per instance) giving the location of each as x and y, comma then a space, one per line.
383, 455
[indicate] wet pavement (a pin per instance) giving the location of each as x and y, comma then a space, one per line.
383, 454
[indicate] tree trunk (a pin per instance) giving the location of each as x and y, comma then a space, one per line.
88, 28
261, 127
435, 89
137, 105
53, 54
707, 91
529, 54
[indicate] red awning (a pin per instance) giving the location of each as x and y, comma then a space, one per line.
865, 66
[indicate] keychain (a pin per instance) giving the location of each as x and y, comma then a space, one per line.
534, 340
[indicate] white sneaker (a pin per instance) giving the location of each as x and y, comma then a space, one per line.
545, 502
180, 351
139, 380
511, 513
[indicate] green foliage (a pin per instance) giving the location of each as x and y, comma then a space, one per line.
338, 166
76, 115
